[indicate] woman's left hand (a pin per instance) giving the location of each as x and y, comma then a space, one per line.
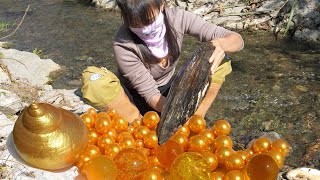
217, 55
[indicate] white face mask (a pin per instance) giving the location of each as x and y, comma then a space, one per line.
154, 36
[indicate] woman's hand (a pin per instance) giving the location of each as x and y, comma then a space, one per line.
233, 42
217, 55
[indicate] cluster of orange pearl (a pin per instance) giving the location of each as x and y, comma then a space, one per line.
109, 133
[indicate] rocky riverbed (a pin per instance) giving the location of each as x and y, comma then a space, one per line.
18, 89
270, 15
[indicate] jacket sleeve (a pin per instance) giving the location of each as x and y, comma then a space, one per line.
194, 25
135, 72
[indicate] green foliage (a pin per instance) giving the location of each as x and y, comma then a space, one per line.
290, 17
37, 52
5, 25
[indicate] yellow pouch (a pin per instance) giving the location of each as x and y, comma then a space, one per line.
220, 74
99, 86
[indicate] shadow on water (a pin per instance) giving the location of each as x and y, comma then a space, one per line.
274, 85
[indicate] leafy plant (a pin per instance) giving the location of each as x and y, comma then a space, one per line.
5, 25
37, 52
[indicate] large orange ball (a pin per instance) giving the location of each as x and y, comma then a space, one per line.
151, 119
190, 166
136, 123
244, 155
130, 162
168, 152
197, 123
262, 165
101, 167
113, 133
103, 114
150, 174
221, 127
103, 125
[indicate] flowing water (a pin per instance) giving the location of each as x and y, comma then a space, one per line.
274, 85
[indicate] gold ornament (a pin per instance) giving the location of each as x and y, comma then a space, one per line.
49, 137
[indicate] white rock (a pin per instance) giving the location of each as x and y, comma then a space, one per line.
10, 100
28, 67
304, 173
4, 78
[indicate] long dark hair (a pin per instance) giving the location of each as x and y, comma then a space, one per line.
138, 13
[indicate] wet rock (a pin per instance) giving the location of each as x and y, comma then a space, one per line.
4, 78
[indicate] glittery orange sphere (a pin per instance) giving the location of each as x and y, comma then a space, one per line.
151, 119
189, 166
184, 130
221, 127
130, 162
